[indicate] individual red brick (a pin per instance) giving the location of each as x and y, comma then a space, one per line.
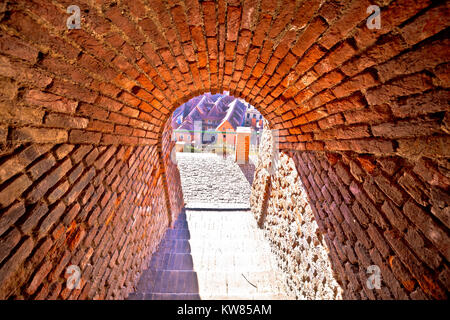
361, 81
41, 167
426, 224
413, 106
233, 20
401, 87
372, 114
390, 189
76, 92
353, 14
18, 48
309, 36
343, 133
14, 190
39, 277
58, 192
426, 57
425, 25
209, 15
249, 14
8, 243
79, 136
63, 150
79, 186
327, 81
261, 30
354, 102
339, 55
427, 254
415, 188
378, 240
17, 163
51, 218
13, 264
39, 135
414, 147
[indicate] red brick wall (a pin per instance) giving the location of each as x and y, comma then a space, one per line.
384, 211
171, 175
312, 68
100, 208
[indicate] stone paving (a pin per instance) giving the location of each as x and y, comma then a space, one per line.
213, 252
208, 178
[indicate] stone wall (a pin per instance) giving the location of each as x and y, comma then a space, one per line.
280, 204
384, 211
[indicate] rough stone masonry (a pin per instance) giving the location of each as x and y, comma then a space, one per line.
85, 171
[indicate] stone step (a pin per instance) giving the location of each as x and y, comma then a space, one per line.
164, 296
233, 244
174, 234
196, 296
239, 283
243, 296
210, 283
187, 234
171, 261
228, 235
200, 226
223, 246
180, 224
170, 281
212, 255
174, 246
230, 261
196, 205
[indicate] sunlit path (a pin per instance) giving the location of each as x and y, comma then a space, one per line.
215, 252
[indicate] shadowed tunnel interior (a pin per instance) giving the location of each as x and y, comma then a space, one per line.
362, 114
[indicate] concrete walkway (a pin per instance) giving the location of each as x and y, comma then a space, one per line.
215, 251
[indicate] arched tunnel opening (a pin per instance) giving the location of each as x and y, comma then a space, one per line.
223, 244
360, 104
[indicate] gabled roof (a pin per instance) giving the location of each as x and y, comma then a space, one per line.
209, 107
186, 125
235, 114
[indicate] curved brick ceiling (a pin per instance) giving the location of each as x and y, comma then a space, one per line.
312, 68
85, 171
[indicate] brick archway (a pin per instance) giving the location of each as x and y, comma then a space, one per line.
165, 147
82, 112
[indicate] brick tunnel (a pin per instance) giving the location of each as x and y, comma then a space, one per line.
85, 171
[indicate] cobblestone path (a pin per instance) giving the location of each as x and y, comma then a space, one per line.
208, 179
215, 251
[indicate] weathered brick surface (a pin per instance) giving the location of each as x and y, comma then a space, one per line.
83, 119
117, 194
385, 221
280, 205
403, 230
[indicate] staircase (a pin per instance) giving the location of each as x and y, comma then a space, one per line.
212, 255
